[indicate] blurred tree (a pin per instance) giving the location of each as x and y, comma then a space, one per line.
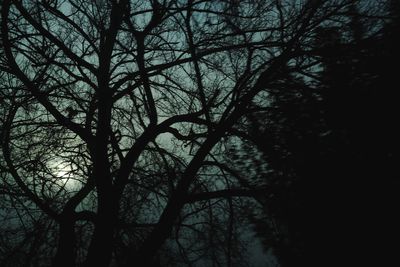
329, 142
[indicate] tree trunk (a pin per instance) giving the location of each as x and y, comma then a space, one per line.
65, 256
100, 249
101, 245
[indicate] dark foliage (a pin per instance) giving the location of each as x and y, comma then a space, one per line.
332, 146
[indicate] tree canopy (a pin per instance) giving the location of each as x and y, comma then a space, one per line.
151, 133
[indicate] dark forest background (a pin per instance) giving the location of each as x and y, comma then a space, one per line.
333, 149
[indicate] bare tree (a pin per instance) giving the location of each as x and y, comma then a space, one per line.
116, 115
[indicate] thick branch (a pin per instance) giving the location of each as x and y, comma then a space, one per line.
51, 37
40, 96
13, 171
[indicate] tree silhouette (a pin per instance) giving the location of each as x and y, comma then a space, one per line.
119, 118
332, 144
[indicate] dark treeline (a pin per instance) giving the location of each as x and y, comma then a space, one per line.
333, 147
